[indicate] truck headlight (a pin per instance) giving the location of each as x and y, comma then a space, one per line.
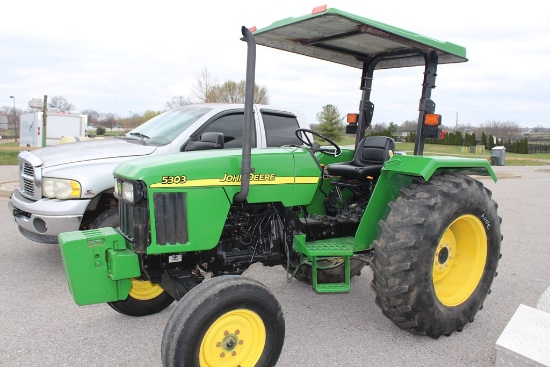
56, 188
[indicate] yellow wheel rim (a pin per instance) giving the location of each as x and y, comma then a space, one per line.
459, 260
237, 338
144, 290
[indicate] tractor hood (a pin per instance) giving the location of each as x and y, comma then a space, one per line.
90, 150
277, 173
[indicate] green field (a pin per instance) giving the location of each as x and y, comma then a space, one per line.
512, 159
8, 156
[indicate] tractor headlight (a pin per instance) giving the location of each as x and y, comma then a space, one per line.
128, 191
56, 188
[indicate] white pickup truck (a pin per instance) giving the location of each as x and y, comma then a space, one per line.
70, 187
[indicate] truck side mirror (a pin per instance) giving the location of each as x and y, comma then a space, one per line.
209, 140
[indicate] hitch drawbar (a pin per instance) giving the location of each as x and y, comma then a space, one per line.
98, 265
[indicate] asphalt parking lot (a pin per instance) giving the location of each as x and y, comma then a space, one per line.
41, 326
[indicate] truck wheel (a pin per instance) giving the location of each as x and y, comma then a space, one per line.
436, 254
109, 218
145, 298
226, 321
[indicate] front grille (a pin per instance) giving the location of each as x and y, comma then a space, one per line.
134, 224
27, 187
29, 175
170, 218
28, 169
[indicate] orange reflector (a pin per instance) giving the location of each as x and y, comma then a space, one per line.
319, 9
432, 119
352, 118
252, 29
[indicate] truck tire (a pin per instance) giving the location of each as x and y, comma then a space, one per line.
109, 218
228, 320
145, 298
436, 254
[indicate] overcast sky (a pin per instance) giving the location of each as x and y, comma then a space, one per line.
120, 56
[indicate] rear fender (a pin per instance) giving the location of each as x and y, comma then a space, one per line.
399, 172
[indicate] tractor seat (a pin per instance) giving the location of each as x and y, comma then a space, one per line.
368, 160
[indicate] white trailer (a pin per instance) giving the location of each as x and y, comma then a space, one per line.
58, 125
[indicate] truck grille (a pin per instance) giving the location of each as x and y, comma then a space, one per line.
28, 169
134, 224
27, 180
29, 175
170, 218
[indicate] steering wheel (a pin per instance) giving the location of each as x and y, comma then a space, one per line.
315, 146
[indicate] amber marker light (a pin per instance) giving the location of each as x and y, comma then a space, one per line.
352, 118
432, 119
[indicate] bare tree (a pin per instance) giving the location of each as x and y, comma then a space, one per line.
379, 127
260, 95
13, 117
177, 101
501, 129
61, 103
408, 125
204, 86
93, 116
233, 92
149, 114
228, 92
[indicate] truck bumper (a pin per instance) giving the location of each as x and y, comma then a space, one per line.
45, 219
98, 264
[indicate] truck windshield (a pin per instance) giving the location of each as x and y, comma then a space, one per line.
164, 128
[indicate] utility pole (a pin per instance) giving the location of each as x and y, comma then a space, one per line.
15, 120
44, 120
456, 121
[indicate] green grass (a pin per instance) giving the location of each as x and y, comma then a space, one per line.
512, 159
8, 157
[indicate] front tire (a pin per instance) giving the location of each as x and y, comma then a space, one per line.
436, 254
228, 320
145, 298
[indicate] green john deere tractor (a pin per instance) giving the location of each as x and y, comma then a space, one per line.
429, 231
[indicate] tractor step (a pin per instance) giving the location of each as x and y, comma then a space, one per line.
316, 251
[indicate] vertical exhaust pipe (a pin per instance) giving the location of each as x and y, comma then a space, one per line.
246, 163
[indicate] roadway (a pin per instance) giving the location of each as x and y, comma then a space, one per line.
41, 326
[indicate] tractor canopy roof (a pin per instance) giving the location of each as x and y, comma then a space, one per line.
348, 39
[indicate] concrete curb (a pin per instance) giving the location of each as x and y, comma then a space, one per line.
3, 192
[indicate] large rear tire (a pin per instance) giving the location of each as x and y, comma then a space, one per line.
226, 321
436, 254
